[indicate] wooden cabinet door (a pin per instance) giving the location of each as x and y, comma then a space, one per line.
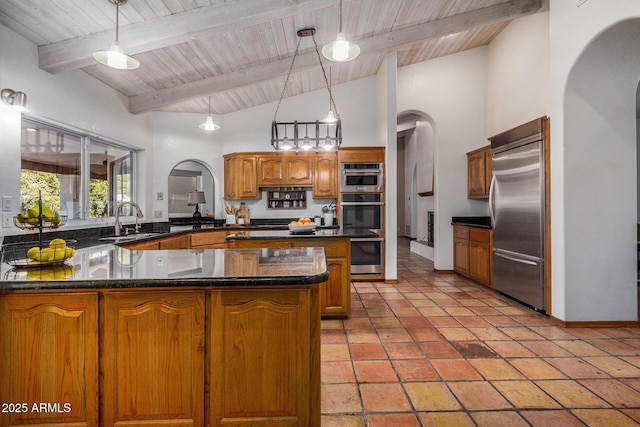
240, 177
325, 176
49, 354
299, 171
248, 185
488, 170
241, 263
476, 175
231, 177
152, 359
271, 171
335, 298
461, 256
210, 239
265, 347
480, 262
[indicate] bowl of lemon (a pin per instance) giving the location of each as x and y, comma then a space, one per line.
30, 219
302, 225
55, 252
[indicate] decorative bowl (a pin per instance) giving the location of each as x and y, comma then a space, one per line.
30, 255
307, 228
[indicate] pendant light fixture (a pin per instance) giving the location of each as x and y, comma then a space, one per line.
208, 124
333, 130
331, 117
341, 50
115, 56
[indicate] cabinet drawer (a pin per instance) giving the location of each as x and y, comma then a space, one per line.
205, 238
480, 235
461, 232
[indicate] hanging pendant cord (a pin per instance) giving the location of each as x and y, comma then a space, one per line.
117, 15
284, 88
324, 74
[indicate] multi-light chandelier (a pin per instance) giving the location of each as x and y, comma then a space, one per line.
325, 134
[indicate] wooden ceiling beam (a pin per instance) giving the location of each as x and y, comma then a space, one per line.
373, 45
171, 30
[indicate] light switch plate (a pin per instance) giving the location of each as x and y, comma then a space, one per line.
6, 203
159, 196
157, 214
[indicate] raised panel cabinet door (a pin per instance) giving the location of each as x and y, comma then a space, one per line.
480, 262
325, 179
231, 176
49, 355
271, 171
248, 185
152, 361
264, 358
476, 175
461, 256
334, 296
299, 171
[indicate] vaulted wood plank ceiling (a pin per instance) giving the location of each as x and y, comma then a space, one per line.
239, 51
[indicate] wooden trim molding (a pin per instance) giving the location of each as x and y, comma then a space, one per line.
596, 323
435, 270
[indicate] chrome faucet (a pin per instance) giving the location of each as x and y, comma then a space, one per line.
138, 215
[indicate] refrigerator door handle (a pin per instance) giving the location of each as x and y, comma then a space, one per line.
520, 260
492, 200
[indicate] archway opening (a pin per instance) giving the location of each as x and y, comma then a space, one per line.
185, 177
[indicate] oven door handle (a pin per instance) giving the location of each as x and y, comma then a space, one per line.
361, 203
361, 172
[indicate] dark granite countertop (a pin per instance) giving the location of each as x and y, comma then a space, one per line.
109, 266
286, 234
472, 221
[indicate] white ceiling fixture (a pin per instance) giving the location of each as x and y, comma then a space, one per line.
115, 56
208, 124
341, 50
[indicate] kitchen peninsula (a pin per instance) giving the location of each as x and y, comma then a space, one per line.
188, 337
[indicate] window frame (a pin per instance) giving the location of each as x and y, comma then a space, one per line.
85, 163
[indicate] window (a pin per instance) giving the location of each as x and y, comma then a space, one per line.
53, 166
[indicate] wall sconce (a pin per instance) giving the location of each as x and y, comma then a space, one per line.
17, 100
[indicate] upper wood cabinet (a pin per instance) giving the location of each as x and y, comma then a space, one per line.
325, 178
361, 155
276, 170
479, 173
240, 177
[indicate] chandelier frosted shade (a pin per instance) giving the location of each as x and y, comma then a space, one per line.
116, 58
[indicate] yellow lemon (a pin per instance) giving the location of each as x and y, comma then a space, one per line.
46, 255
68, 253
57, 243
34, 253
58, 254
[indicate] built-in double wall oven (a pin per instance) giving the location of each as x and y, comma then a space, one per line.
362, 208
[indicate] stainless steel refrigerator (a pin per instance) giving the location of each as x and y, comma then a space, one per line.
516, 205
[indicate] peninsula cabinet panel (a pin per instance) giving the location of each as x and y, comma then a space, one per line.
325, 179
143, 246
334, 297
152, 362
49, 354
212, 239
181, 241
240, 177
264, 357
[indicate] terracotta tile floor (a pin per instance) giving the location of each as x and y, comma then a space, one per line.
440, 350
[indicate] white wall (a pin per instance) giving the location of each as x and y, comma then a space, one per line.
452, 90
594, 78
518, 74
72, 98
177, 138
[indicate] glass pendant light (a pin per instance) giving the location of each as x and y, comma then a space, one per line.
208, 124
341, 50
331, 117
115, 56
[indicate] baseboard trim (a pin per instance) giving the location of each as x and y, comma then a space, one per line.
392, 281
596, 323
435, 270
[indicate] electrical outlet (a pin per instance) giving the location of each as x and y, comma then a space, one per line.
159, 196
6, 220
157, 213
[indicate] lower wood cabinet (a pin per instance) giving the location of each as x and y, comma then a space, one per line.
49, 356
335, 294
152, 358
472, 256
187, 357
